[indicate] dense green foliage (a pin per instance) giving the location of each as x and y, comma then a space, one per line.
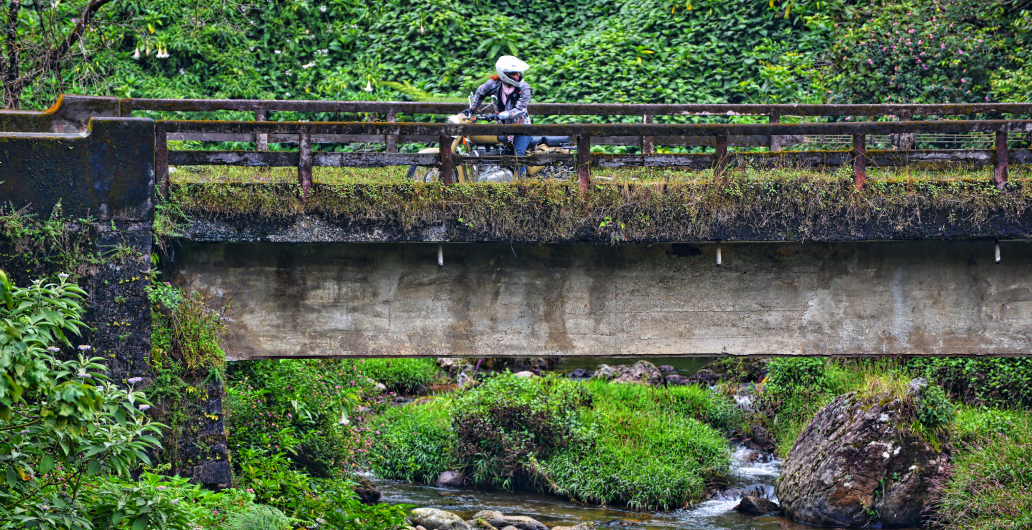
654, 51
62, 422
600, 443
402, 374
979, 381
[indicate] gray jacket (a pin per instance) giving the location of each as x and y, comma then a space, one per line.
515, 108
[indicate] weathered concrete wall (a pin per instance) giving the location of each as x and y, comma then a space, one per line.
494, 299
106, 172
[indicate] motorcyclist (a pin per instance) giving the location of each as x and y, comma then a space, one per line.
512, 95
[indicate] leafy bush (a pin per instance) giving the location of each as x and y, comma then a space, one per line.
414, 443
980, 381
401, 375
507, 420
63, 421
990, 478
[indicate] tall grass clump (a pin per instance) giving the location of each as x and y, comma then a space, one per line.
647, 455
990, 482
414, 443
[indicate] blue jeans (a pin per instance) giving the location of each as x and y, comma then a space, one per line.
519, 144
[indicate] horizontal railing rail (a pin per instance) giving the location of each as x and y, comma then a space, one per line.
586, 134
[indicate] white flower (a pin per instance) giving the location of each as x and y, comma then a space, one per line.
85, 347
322, 9
368, 86
277, 52
63, 276
53, 349
136, 54
144, 407
182, 71
134, 380
309, 65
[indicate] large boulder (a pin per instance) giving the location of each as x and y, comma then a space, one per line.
605, 372
640, 372
498, 520
750, 505
858, 464
434, 519
367, 492
450, 479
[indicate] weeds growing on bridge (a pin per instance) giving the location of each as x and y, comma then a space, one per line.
640, 205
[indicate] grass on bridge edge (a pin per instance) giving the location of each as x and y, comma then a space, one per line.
628, 205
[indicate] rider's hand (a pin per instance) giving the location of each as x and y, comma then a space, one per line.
491, 117
468, 112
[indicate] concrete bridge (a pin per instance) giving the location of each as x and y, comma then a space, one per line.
311, 285
587, 268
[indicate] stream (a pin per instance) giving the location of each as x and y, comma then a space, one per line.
714, 514
750, 476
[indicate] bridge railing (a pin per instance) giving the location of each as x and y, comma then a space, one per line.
306, 133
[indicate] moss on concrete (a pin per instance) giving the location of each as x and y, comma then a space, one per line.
654, 205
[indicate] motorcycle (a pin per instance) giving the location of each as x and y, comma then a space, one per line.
485, 145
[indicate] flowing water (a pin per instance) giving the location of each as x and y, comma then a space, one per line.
750, 478
754, 474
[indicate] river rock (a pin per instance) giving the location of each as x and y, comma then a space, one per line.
582, 526
756, 506
526, 373
434, 519
579, 373
640, 372
705, 377
449, 479
857, 464
666, 368
367, 492
676, 380
604, 371
497, 520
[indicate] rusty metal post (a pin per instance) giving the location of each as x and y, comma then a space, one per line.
774, 144
648, 143
720, 157
161, 158
125, 108
304, 164
1000, 165
584, 162
447, 162
262, 140
392, 139
859, 160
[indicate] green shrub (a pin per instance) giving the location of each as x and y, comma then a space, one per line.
990, 480
259, 517
688, 401
1002, 381
414, 443
186, 334
503, 422
402, 374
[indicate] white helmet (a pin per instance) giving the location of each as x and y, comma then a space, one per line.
508, 64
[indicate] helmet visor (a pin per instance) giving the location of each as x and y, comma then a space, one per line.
515, 76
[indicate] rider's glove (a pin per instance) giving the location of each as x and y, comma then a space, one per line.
468, 112
491, 117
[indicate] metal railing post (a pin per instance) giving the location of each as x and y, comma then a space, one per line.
447, 162
720, 156
161, 158
859, 160
261, 140
391, 140
584, 162
774, 144
304, 164
648, 143
1000, 162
